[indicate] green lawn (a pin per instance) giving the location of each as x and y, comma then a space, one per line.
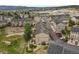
16, 46
16, 43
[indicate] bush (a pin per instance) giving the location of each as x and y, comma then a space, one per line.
71, 23
43, 43
66, 39
29, 51
63, 32
32, 46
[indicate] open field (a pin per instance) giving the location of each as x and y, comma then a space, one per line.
11, 44
15, 44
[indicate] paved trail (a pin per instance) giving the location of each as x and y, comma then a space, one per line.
15, 34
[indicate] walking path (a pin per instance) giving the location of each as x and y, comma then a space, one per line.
15, 34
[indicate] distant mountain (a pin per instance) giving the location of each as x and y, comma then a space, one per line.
35, 8
11, 7
69, 6
17, 7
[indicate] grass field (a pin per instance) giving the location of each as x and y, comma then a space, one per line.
15, 44
12, 44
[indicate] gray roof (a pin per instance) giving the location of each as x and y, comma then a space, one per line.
75, 29
77, 17
40, 28
43, 14
60, 47
59, 18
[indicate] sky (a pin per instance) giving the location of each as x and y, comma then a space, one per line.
39, 3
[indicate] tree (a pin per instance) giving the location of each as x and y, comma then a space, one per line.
71, 23
27, 36
27, 32
77, 23
66, 39
29, 14
63, 32
32, 46
66, 30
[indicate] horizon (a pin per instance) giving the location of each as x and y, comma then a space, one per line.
37, 6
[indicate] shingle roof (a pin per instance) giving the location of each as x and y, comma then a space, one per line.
60, 47
77, 17
59, 18
75, 29
43, 14
40, 28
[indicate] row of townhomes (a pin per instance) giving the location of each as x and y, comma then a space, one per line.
11, 21
49, 26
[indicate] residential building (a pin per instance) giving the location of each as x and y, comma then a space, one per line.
42, 38
61, 47
74, 36
60, 18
